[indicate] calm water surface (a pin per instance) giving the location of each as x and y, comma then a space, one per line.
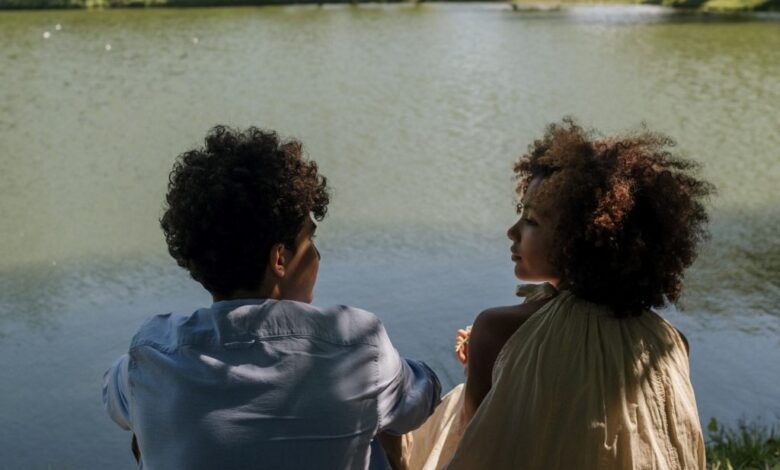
415, 113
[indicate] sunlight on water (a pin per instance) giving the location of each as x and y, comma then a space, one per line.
415, 114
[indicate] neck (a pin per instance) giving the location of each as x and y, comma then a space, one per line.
262, 292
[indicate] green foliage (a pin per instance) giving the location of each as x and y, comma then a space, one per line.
36, 4
688, 4
740, 5
749, 446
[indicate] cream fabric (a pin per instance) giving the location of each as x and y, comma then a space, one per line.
433, 444
576, 388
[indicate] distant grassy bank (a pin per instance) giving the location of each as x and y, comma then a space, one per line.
715, 6
699, 5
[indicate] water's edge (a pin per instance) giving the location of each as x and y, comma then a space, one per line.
695, 6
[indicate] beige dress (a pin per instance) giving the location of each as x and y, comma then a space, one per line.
575, 388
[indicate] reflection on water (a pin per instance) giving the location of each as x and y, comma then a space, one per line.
77, 324
415, 113
738, 272
36, 293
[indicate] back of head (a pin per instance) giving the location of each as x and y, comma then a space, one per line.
630, 213
230, 201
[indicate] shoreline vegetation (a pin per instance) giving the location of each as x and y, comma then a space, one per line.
745, 446
707, 6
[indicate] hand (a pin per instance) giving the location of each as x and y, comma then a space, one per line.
462, 348
398, 449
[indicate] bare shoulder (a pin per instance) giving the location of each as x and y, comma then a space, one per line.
494, 326
507, 317
492, 329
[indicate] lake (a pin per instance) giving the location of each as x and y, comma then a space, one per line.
415, 113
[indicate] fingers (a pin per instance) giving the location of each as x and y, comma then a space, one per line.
462, 345
463, 354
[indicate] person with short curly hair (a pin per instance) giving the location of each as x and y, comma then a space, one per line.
230, 203
584, 374
261, 377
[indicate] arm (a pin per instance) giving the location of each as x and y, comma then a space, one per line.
116, 391
491, 330
396, 450
408, 390
484, 346
408, 393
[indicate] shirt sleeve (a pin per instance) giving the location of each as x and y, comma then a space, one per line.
115, 392
408, 390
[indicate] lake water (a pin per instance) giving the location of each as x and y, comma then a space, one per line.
415, 113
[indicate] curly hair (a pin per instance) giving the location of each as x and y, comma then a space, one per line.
630, 213
229, 202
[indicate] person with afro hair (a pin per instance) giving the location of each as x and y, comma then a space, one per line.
261, 378
584, 374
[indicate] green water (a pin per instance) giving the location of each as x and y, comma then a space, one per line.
415, 113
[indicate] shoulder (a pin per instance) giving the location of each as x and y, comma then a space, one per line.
353, 316
684, 340
493, 327
160, 332
345, 324
167, 332
507, 316
670, 329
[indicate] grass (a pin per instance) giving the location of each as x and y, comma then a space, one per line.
714, 6
746, 446
736, 5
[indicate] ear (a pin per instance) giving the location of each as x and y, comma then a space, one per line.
277, 260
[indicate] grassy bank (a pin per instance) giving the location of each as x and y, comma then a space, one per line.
97, 4
701, 5
715, 6
746, 446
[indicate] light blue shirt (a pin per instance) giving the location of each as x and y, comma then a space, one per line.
266, 384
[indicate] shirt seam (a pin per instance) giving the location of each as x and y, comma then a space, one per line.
163, 347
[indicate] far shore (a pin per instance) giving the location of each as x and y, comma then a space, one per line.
710, 6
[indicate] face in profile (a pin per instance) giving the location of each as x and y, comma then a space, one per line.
532, 238
301, 270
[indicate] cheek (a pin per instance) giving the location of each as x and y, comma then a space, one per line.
314, 263
537, 251
531, 244
545, 259
315, 269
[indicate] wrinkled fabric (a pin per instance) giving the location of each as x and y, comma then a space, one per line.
266, 384
432, 445
576, 387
